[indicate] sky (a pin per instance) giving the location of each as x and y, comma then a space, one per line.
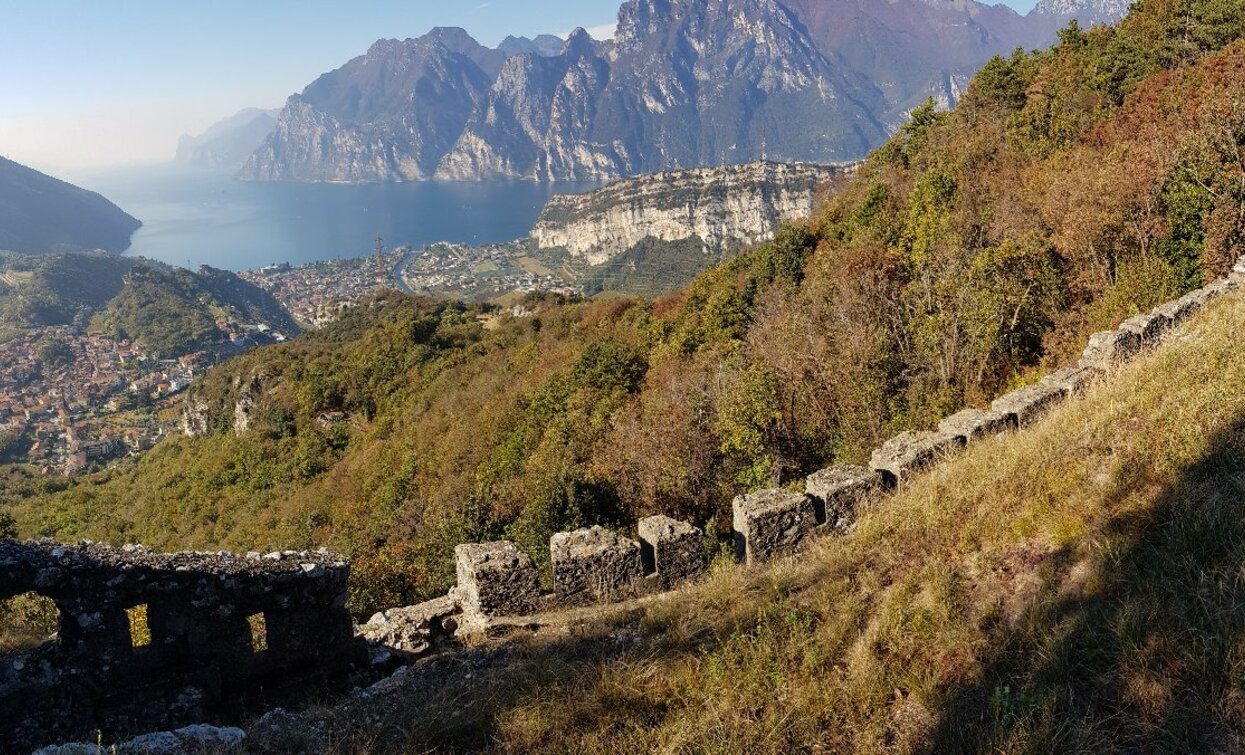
92, 83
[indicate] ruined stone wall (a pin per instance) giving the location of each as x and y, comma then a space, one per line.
158, 641
595, 565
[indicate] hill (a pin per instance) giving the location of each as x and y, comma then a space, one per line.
682, 84
40, 215
166, 309
973, 251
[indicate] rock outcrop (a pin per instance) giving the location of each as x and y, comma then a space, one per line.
721, 209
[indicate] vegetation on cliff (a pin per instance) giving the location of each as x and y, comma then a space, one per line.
1070, 188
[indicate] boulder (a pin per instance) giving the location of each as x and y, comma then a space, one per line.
414, 630
836, 492
672, 549
771, 523
595, 565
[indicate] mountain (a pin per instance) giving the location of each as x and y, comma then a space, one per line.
41, 215
388, 115
545, 45
166, 309
228, 143
684, 83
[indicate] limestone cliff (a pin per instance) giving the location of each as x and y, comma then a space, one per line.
718, 208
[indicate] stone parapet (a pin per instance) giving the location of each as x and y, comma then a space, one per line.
595, 565
838, 490
771, 523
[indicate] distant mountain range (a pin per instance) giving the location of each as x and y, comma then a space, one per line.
684, 83
228, 143
43, 215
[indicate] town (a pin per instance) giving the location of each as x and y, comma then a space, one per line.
316, 293
70, 400
490, 272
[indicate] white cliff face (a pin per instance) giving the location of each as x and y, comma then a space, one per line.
724, 208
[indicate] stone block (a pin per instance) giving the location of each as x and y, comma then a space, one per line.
1028, 404
908, 453
1148, 327
838, 490
771, 523
414, 630
496, 579
975, 424
1109, 349
673, 549
1073, 380
1178, 311
595, 565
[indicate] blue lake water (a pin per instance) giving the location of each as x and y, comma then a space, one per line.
195, 217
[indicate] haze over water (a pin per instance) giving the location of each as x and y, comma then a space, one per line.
195, 217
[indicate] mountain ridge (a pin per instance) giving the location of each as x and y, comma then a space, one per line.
655, 97
40, 214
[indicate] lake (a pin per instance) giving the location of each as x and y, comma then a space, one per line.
195, 217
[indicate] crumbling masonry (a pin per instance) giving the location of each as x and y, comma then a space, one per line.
159, 641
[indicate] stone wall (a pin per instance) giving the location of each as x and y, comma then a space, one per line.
159, 641
598, 566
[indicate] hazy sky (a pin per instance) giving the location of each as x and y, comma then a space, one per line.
89, 83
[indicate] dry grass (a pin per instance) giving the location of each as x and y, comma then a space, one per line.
1078, 587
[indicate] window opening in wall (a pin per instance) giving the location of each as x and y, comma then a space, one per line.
27, 621
259, 632
140, 633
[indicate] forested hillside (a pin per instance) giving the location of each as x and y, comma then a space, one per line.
1070, 189
166, 309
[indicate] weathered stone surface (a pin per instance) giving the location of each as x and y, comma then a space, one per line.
1072, 380
1028, 404
908, 453
1110, 348
837, 490
720, 208
976, 424
1148, 327
673, 549
771, 523
595, 565
414, 630
189, 740
215, 621
1178, 311
496, 579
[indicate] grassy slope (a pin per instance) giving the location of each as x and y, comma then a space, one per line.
1074, 588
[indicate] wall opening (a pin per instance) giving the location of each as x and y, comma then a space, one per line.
27, 621
140, 632
259, 632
